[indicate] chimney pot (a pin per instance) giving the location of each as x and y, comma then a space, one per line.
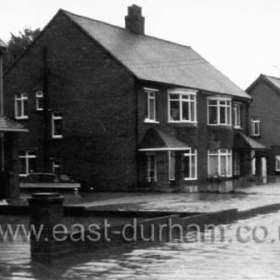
134, 21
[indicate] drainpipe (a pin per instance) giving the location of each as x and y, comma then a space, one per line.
2, 49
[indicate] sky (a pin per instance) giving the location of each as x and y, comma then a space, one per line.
239, 37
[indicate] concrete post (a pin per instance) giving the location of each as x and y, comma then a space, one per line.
46, 210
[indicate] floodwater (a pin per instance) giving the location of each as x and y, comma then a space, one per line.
250, 249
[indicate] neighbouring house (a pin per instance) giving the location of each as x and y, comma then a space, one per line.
8, 135
118, 109
265, 120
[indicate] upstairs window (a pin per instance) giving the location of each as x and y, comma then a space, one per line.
219, 111
39, 100
182, 106
21, 106
220, 163
151, 105
255, 127
56, 125
27, 161
151, 168
237, 109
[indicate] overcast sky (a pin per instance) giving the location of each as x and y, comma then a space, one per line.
239, 37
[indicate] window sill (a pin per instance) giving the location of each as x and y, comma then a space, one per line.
256, 136
150, 121
57, 137
190, 179
183, 123
22, 118
238, 128
220, 125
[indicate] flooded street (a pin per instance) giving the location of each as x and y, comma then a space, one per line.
254, 256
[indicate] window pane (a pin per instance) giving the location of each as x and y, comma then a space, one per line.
171, 165
57, 127
187, 167
186, 111
32, 165
192, 113
18, 108
222, 115
193, 167
174, 96
213, 165
223, 160
152, 109
174, 110
213, 115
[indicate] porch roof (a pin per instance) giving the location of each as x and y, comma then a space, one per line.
8, 125
158, 140
243, 141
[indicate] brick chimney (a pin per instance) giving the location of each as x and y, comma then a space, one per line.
134, 21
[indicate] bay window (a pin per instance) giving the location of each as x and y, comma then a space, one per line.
220, 163
182, 106
219, 111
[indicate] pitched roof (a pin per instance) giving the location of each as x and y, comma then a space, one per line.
159, 140
244, 141
157, 60
273, 81
8, 125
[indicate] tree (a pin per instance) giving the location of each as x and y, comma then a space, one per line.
17, 44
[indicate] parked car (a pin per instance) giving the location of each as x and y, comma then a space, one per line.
49, 181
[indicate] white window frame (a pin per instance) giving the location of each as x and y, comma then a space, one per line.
256, 126
237, 115
171, 167
192, 155
151, 168
54, 119
277, 163
185, 96
39, 96
21, 99
55, 165
218, 105
151, 96
29, 154
221, 153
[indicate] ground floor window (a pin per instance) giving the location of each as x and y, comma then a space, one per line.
277, 163
151, 167
171, 164
220, 163
55, 166
190, 164
27, 161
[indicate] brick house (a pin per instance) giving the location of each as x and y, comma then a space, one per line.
118, 109
264, 118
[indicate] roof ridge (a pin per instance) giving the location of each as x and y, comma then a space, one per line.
264, 75
124, 29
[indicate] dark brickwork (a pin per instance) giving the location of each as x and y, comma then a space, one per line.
265, 105
96, 98
201, 137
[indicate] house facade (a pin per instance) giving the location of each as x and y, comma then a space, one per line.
264, 118
117, 109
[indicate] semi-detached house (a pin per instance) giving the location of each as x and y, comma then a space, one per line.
118, 109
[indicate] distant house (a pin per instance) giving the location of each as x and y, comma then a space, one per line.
265, 118
118, 109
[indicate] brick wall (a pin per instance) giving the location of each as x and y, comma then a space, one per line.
201, 137
96, 98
